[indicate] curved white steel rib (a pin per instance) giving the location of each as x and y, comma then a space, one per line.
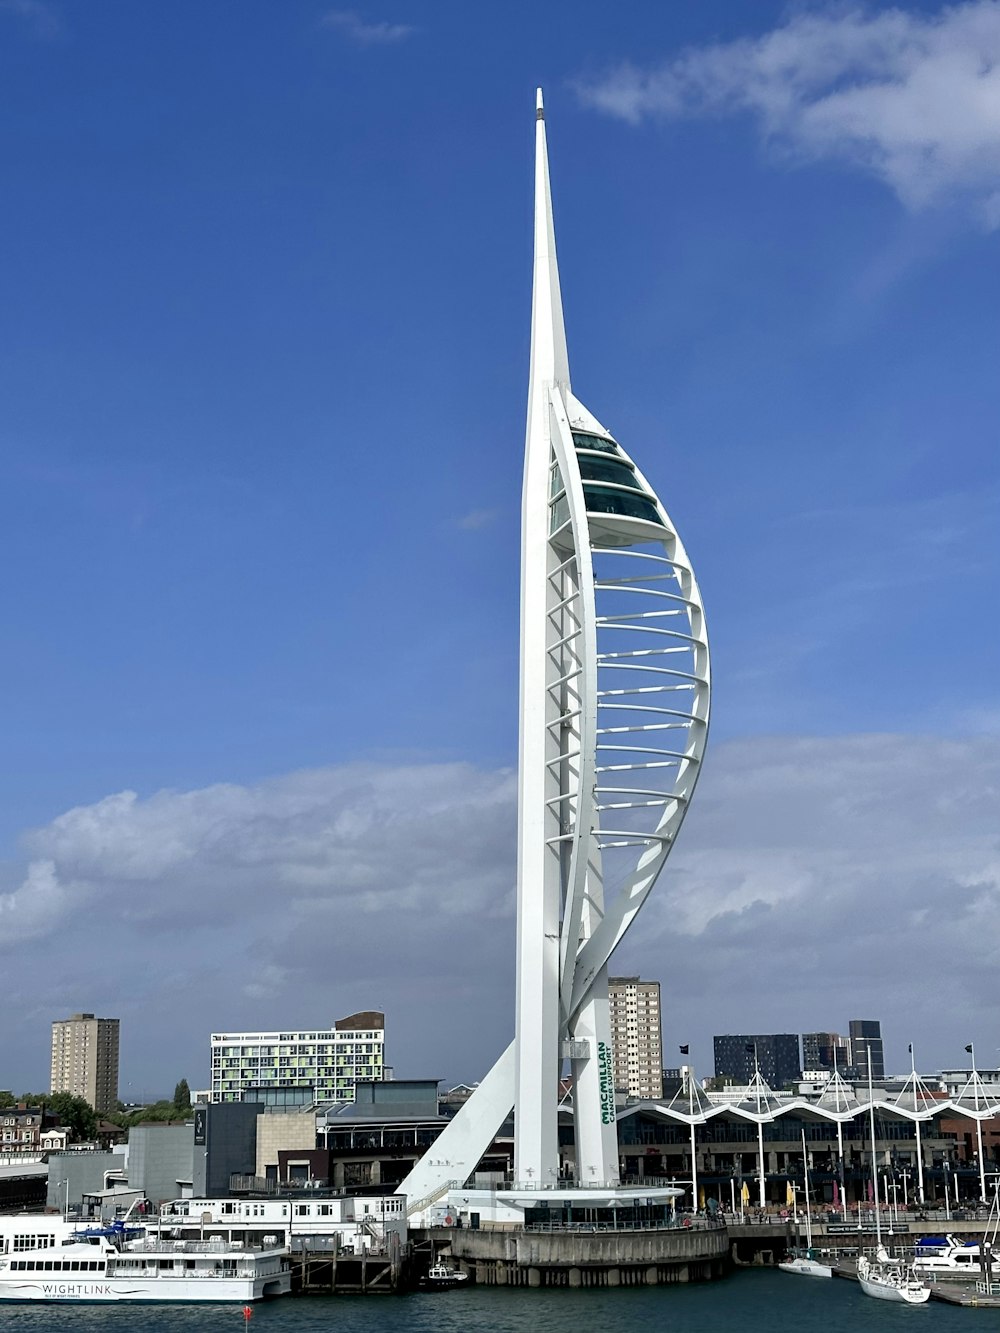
614, 707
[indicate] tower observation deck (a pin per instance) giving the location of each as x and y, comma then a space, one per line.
614, 707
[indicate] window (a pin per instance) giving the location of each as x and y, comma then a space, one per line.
583, 441
603, 500
605, 469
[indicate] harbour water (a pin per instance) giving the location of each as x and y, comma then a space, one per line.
750, 1301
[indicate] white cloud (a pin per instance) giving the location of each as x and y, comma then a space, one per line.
822, 878
816, 879
355, 839
912, 98
365, 34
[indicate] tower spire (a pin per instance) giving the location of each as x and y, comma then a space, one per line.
549, 359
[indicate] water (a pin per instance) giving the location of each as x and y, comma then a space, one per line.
749, 1302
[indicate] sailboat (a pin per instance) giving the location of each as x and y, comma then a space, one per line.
806, 1265
884, 1278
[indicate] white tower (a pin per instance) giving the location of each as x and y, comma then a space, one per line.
614, 703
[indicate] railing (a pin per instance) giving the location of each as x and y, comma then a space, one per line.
681, 1225
418, 1205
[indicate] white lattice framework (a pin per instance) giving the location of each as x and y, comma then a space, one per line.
614, 717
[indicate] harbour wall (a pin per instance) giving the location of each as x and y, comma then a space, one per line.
587, 1258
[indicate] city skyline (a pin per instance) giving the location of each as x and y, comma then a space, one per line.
265, 334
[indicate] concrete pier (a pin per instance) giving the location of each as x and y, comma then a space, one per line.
579, 1257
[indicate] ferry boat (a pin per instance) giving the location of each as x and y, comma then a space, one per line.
48, 1259
948, 1257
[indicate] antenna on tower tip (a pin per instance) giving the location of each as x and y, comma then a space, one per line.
539, 105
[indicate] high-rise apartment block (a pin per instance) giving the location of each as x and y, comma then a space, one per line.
635, 1036
775, 1054
866, 1045
85, 1059
825, 1051
295, 1068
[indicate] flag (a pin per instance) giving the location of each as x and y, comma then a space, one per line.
745, 1193
684, 1049
789, 1194
968, 1050
750, 1047
910, 1048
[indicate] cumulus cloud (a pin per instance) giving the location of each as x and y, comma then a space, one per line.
365, 34
826, 879
912, 98
817, 880
357, 839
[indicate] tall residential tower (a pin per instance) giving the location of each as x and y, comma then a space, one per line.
85, 1059
636, 1036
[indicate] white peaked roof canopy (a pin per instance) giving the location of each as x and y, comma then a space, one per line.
974, 1100
690, 1100
838, 1096
760, 1099
915, 1096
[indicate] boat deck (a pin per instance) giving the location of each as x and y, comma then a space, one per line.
952, 1293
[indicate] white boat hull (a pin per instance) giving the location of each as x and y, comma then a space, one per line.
806, 1268
182, 1290
907, 1295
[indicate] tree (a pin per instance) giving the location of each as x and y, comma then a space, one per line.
75, 1115
182, 1097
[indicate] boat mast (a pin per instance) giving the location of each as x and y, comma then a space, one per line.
871, 1114
805, 1172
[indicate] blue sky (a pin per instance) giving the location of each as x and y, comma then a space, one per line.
263, 346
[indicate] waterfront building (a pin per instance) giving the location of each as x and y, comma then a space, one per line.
636, 1036
306, 1219
957, 1082
28, 1130
774, 1054
866, 1047
297, 1068
85, 1059
825, 1051
614, 705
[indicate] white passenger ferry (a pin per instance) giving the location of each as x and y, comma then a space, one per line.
48, 1259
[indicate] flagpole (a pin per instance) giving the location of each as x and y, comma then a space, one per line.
920, 1151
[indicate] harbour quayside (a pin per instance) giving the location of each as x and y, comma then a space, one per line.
47, 1259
